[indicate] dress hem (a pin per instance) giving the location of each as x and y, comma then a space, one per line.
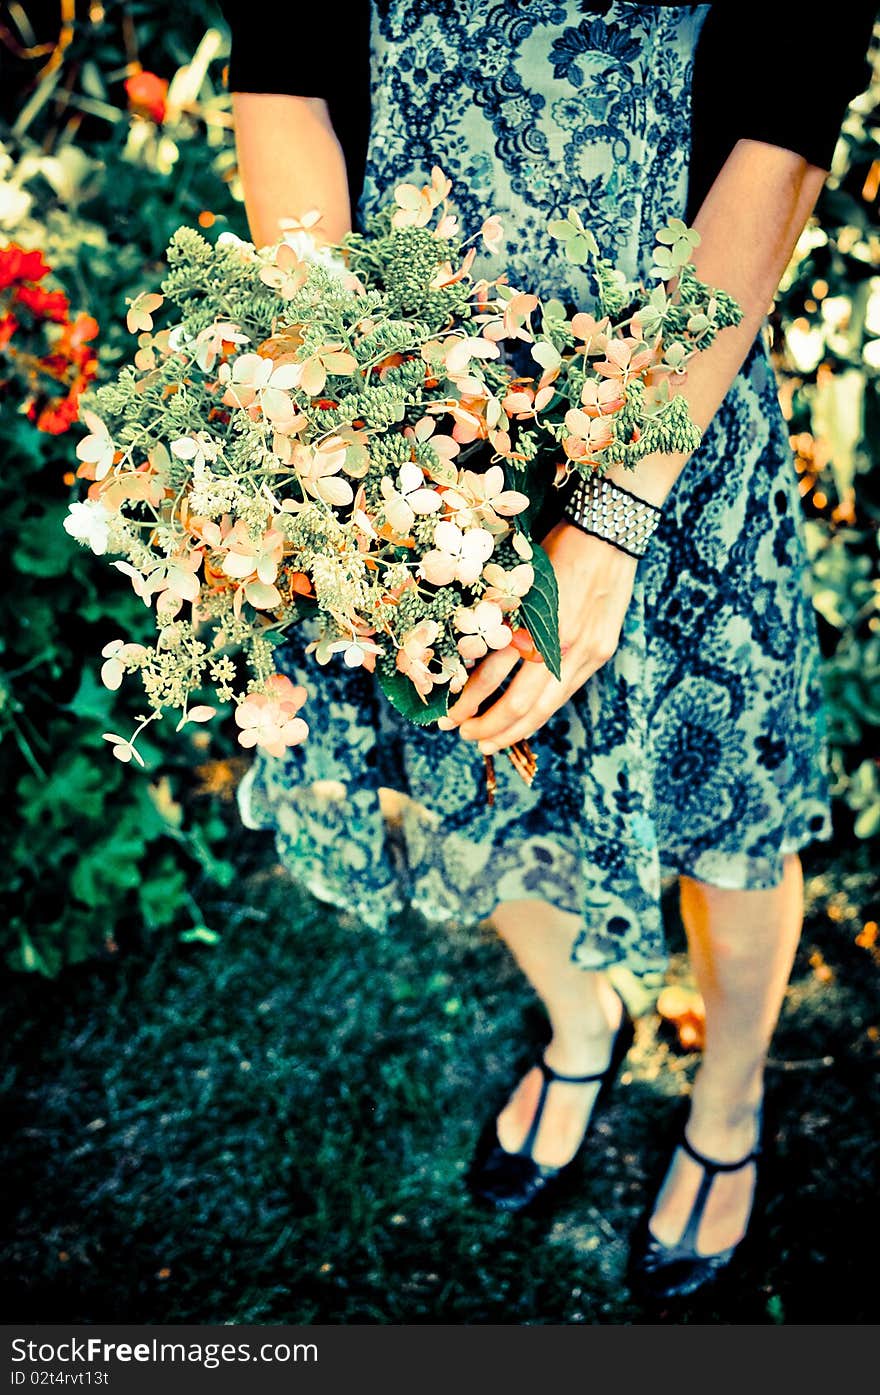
637, 976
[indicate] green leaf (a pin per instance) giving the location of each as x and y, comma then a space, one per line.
76, 790
120, 606
32, 960
201, 934
775, 1310
161, 897
109, 869
91, 699
402, 695
44, 549
540, 611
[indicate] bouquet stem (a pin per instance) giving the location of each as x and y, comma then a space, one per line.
523, 760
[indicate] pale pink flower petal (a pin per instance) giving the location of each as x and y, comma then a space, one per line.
335, 491
439, 568
268, 719
142, 309
492, 234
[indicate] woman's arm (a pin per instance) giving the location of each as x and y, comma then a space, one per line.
290, 161
749, 223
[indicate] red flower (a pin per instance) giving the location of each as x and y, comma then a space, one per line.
68, 357
86, 374
79, 330
58, 416
8, 326
147, 92
49, 305
56, 365
72, 340
16, 264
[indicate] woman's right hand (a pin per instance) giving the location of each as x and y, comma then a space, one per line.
595, 581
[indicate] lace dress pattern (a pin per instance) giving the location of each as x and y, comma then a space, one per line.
700, 747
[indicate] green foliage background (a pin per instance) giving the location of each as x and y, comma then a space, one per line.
98, 853
94, 854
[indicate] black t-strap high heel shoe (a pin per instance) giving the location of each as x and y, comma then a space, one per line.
512, 1181
658, 1271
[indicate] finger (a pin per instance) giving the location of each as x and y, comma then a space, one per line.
514, 706
525, 728
555, 696
483, 681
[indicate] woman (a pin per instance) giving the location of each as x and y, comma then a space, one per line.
686, 733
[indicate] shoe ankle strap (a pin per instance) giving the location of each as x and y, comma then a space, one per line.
550, 1074
712, 1165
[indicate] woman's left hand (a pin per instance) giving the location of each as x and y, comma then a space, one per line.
595, 581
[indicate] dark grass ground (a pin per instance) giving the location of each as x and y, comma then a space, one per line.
275, 1130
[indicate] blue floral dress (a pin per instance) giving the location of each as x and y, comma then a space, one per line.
699, 748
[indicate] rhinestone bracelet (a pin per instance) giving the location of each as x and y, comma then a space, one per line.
607, 510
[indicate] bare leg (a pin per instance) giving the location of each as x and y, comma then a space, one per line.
742, 945
584, 1012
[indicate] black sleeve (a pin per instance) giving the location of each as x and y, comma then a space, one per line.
777, 72
284, 47
280, 48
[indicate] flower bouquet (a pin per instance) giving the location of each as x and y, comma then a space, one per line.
340, 432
